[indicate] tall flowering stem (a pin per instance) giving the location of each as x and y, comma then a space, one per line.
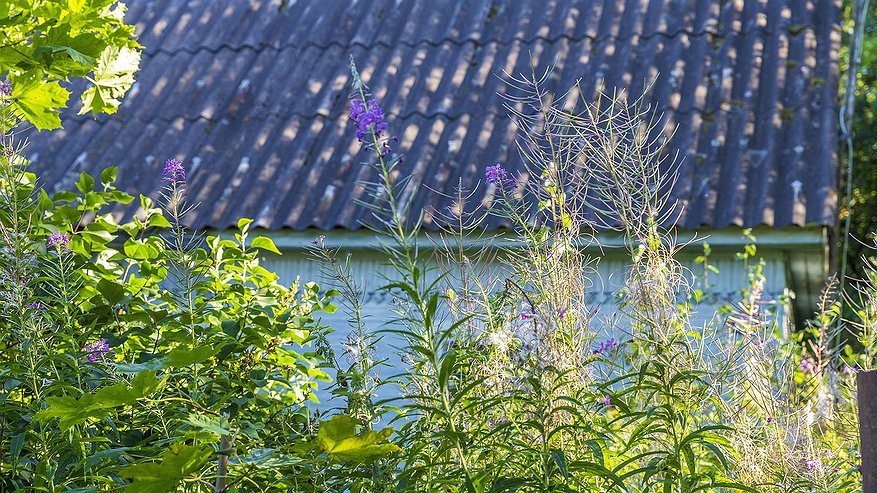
173, 172
404, 258
173, 176
174, 179
369, 127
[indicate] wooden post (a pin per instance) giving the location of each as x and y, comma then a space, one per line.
867, 384
225, 445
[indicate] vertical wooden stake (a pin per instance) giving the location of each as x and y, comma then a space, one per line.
222, 468
867, 385
225, 445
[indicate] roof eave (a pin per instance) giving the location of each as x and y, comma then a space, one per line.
811, 237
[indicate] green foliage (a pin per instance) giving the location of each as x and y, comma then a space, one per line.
139, 356
44, 44
863, 201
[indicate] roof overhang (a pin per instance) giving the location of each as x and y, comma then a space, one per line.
792, 238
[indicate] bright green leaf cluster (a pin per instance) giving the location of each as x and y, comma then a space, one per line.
47, 43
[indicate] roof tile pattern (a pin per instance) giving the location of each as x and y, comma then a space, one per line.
252, 98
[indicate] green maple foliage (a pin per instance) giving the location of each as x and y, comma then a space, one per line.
45, 43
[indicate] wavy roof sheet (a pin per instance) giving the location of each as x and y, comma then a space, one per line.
253, 98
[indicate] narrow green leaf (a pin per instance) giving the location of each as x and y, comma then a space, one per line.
507, 485
266, 459
560, 460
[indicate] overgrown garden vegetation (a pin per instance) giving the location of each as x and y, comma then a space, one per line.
145, 357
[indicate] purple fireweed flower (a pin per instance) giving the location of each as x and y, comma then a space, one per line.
496, 175
561, 313
808, 365
526, 316
812, 464
99, 351
35, 305
58, 240
173, 171
849, 370
357, 112
606, 346
770, 420
607, 402
6, 88
367, 117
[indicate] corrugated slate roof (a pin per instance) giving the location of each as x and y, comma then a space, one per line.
253, 99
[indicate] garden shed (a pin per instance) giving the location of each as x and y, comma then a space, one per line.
252, 97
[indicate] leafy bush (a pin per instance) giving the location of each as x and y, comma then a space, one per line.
141, 353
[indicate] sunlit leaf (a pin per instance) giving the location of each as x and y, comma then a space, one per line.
113, 76
40, 100
338, 438
265, 244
